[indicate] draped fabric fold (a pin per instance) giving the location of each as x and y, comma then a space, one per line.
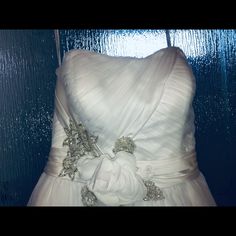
113, 180
116, 182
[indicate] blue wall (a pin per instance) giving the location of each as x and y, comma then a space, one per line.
27, 81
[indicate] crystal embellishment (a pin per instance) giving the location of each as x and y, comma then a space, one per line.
79, 143
124, 144
88, 197
153, 192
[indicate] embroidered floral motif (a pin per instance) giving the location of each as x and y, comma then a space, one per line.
124, 144
79, 143
88, 197
153, 192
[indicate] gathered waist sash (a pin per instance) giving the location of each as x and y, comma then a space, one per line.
164, 172
169, 171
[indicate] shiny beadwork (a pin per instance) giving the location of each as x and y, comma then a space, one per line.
79, 143
124, 144
88, 197
153, 192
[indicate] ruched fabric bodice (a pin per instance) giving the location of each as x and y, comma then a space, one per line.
145, 100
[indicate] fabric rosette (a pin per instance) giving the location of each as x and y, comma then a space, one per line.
114, 180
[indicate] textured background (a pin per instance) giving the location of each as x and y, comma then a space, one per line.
27, 82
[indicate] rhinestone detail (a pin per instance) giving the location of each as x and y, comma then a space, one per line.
154, 193
79, 143
88, 197
124, 144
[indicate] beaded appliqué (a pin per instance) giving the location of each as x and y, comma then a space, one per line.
79, 143
88, 197
124, 144
153, 192
127, 144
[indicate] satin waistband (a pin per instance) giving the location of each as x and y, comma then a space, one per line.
164, 172
169, 171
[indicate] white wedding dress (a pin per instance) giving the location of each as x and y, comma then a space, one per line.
136, 117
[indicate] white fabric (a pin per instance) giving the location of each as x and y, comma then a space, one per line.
116, 182
147, 99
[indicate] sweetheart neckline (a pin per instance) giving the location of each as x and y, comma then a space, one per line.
79, 52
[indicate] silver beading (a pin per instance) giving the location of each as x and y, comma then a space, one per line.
81, 143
